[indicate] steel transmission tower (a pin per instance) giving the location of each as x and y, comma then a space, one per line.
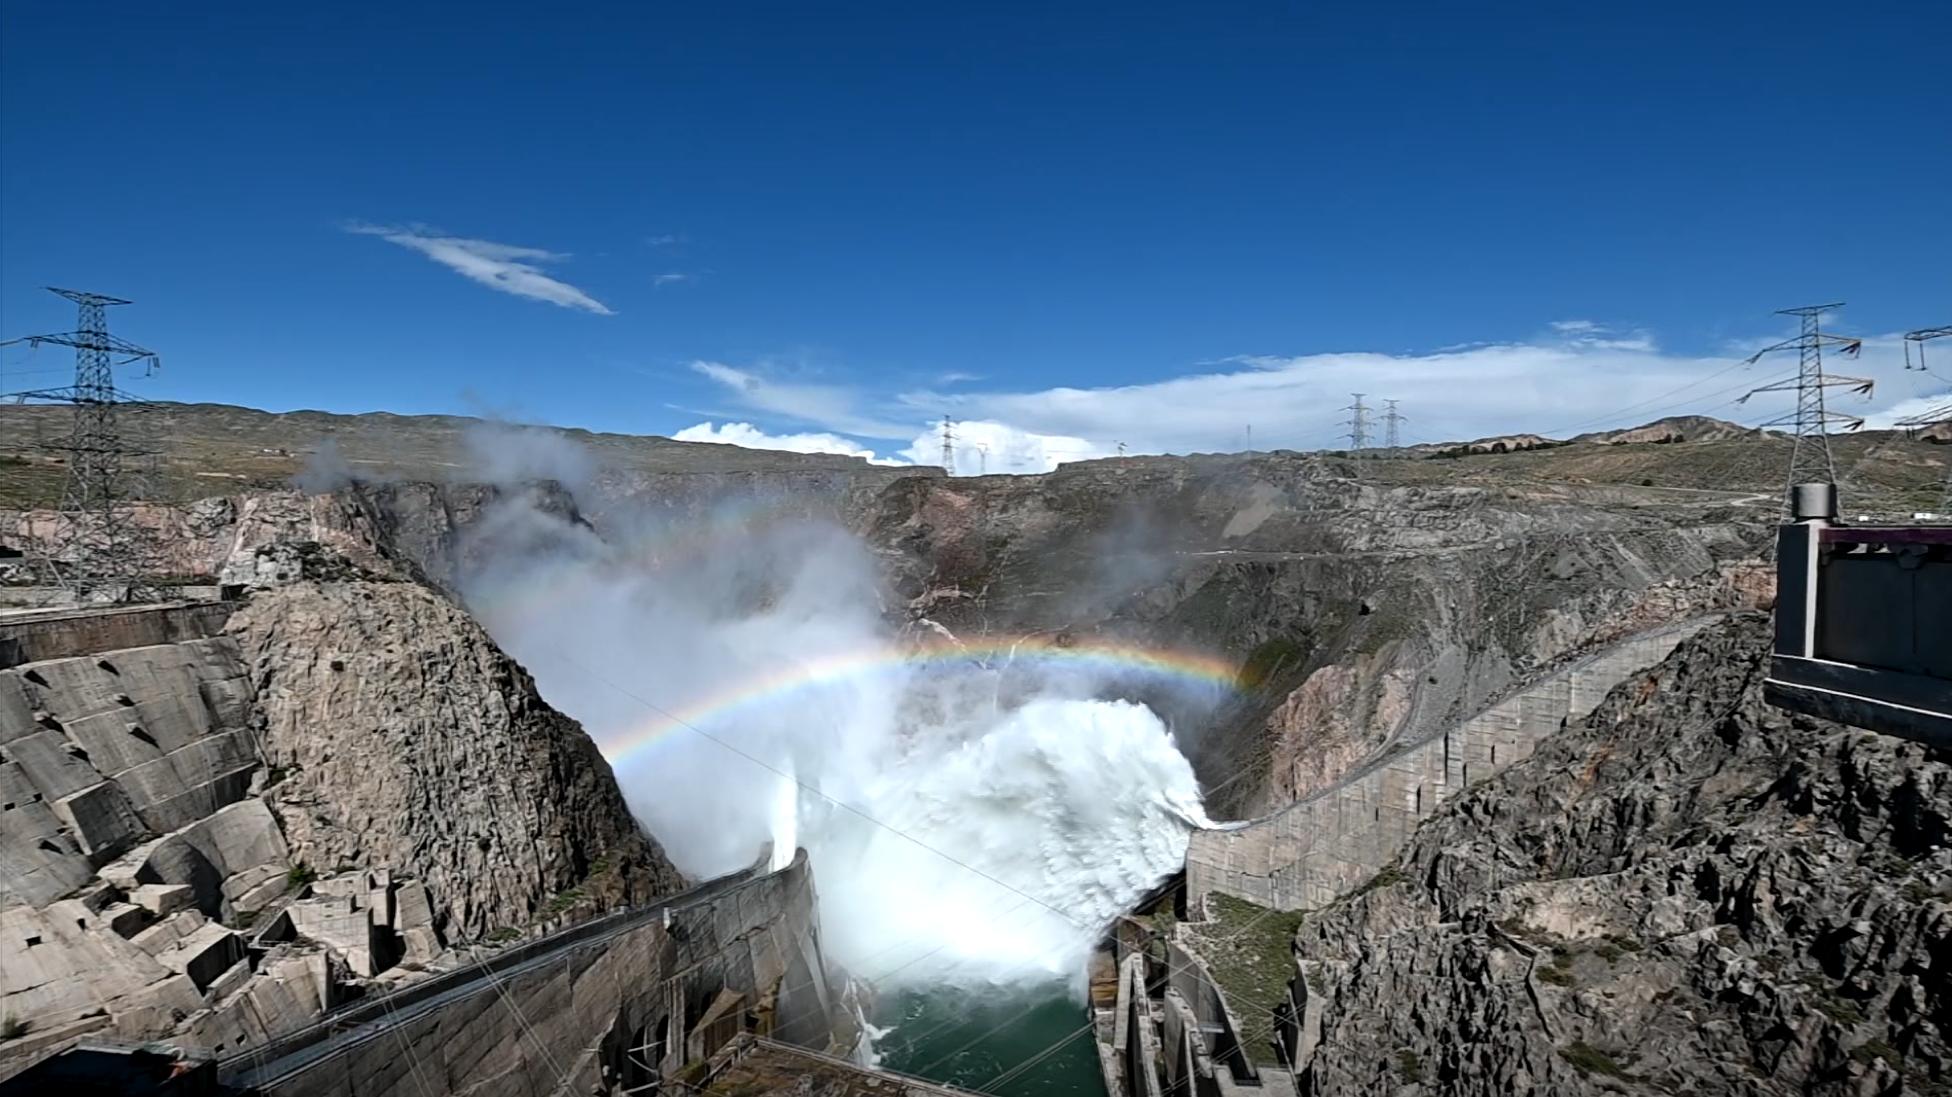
1809, 460
1390, 419
1940, 416
948, 445
1358, 424
96, 544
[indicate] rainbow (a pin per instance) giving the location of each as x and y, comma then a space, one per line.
1102, 656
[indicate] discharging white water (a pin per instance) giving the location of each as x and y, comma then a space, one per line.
1000, 855
968, 823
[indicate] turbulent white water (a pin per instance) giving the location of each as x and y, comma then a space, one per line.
1001, 856
967, 824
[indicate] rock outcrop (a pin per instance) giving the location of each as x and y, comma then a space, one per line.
401, 737
1687, 892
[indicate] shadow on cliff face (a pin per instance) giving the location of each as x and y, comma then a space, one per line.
975, 808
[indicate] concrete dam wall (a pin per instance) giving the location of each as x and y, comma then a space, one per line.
617, 1012
1306, 855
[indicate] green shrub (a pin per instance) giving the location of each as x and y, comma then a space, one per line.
1587, 1059
12, 1028
1409, 1065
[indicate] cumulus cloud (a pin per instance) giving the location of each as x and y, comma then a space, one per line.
987, 446
751, 437
506, 267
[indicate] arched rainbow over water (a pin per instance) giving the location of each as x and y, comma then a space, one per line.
1104, 656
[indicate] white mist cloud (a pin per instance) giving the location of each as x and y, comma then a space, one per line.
510, 454
506, 267
325, 470
1021, 772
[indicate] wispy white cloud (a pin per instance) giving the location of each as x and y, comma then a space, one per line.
665, 240
670, 278
506, 267
834, 407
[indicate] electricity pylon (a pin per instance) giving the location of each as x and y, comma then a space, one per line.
1358, 424
96, 543
1809, 459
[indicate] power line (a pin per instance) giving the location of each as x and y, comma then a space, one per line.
1810, 460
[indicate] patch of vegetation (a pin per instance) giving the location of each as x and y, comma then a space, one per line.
13, 1028
1268, 660
1249, 950
563, 901
1587, 1059
1559, 971
1918, 891
1409, 1066
300, 875
502, 935
1390, 876
1839, 1010
1878, 1049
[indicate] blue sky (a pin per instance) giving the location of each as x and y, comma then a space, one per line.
1095, 223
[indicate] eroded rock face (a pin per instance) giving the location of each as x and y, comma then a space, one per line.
1361, 613
1688, 892
406, 739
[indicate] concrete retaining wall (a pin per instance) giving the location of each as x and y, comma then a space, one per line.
34, 635
1306, 855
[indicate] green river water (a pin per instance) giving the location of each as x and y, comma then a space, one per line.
969, 1039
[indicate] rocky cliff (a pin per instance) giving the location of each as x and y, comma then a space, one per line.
1687, 892
403, 737
1359, 613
